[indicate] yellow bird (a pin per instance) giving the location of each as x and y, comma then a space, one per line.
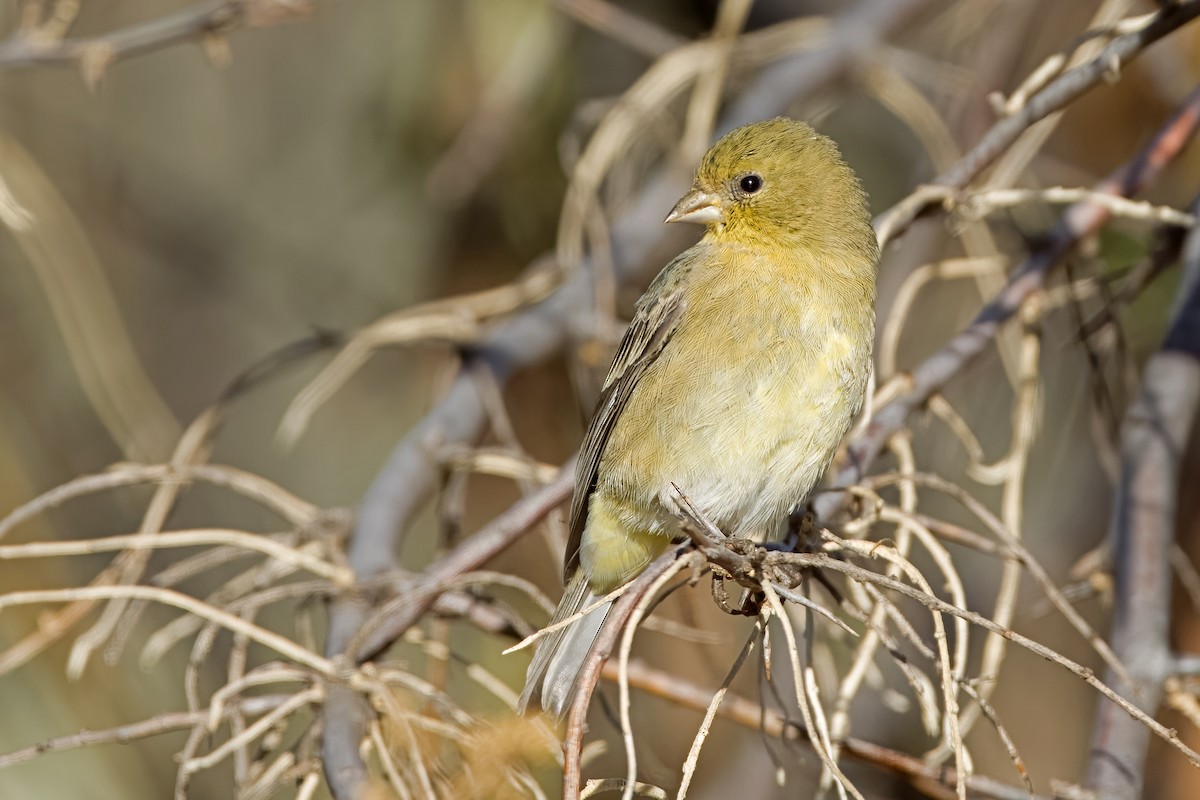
744, 366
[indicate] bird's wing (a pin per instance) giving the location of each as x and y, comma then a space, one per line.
655, 320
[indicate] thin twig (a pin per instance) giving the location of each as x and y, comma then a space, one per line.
275, 641
752, 715
154, 726
1057, 94
622, 25
1078, 221
195, 23
744, 569
589, 673
390, 622
693, 756
340, 576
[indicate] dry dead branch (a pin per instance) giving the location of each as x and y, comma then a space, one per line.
323, 649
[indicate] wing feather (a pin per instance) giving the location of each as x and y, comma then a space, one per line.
655, 320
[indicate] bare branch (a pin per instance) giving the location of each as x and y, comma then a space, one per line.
1078, 221
158, 724
394, 618
904, 634
205, 19
1154, 437
1057, 94
589, 674
751, 715
622, 25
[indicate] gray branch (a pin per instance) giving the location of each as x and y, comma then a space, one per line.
1154, 435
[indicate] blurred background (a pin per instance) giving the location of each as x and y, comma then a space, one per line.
205, 204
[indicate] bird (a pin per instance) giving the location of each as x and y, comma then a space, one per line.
745, 364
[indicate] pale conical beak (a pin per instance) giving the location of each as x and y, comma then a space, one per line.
697, 206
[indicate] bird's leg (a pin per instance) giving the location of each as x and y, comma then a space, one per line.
805, 536
749, 603
807, 530
801, 531
719, 593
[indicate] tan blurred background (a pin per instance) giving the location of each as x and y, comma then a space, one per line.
195, 217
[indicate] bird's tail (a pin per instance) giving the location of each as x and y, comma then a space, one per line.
553, 674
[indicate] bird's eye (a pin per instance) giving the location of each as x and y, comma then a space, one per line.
750, 183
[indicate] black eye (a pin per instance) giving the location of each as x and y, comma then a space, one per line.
750, 183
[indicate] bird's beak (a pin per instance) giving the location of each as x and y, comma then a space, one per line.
697, 206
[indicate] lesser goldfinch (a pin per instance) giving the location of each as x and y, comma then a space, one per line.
744, 366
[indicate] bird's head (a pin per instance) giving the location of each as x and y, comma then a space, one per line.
777, 183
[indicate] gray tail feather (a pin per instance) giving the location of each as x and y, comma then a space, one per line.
553, 674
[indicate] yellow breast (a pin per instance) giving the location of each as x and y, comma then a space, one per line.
743, 410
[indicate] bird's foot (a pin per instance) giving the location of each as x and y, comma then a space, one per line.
749, 604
